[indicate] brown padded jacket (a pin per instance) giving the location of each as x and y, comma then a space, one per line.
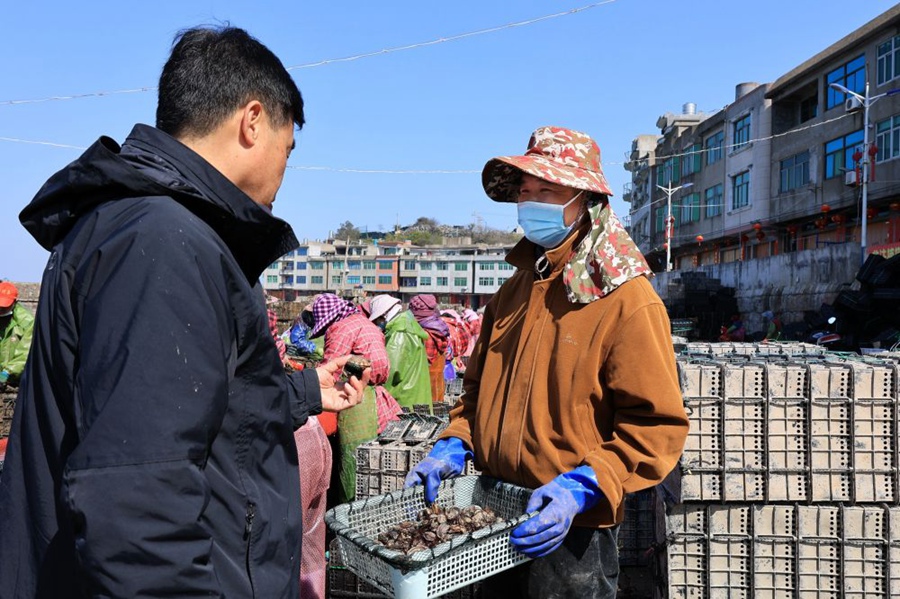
553, 385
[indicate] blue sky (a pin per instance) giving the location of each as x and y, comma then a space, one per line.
610, 71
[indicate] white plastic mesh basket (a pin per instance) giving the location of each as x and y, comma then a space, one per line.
460, 561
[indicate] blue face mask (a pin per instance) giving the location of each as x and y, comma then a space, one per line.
545, 224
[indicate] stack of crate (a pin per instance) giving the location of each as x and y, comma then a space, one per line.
382, 466
789, 478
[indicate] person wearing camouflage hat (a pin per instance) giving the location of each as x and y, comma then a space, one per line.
571, 389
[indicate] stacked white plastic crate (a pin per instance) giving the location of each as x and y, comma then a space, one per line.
789, 479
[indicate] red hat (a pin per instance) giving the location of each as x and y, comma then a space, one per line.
8, 294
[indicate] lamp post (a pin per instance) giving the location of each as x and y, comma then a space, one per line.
669, 191
866, 102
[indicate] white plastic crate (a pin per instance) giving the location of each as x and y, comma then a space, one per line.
831, 450
457, 563
744, 381
700, 380
745, 477
788, 452
702, 460
784, 551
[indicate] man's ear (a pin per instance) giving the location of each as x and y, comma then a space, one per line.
252, 115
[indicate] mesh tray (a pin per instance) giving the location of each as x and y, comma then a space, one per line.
449, 566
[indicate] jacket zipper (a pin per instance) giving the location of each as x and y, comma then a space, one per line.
248, 536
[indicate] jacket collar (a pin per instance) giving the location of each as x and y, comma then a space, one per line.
545, 264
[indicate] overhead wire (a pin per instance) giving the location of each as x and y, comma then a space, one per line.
384, 51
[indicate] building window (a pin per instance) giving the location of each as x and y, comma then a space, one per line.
714, 145
660, 220
713, 199
353, 279
317, 265
670, 171
839, 154
486, 281
442, 281
407, 281
809, 108
459, 266
301, 265
301, 280
385, 279
887, 138
337, 264
851, 75
690, 208
336, 280
691, 160
505, 266
485, 266
409, 265
426, 265
302, 251
368, 265
740, 190
794, 171
383, 265
460, 281
424, 280
272, 279
442, 265
889, 60
390, 251
354, 264
287, 266
741, 133
501, 280
368, 280
317, 280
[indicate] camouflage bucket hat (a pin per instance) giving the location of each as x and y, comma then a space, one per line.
558, 155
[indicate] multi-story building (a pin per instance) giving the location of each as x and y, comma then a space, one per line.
456, 273
779, 169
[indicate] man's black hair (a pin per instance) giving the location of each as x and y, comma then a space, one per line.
212, 72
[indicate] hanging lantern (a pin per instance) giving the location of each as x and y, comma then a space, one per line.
760, 235
792, 230
757, 226
895, 206
871, 213
820, 222
665, 246
745, 238
826, 208
839, 218
699, 238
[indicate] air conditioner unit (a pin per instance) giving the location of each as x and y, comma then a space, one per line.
850, 179
852, 104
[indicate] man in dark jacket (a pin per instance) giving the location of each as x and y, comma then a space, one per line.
152, 450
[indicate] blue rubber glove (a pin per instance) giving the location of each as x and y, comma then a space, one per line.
558, 503
446, 460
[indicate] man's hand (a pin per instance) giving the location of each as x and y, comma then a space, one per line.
340, 396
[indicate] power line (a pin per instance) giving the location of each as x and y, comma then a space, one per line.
440, 40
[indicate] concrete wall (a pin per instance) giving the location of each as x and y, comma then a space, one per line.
787, 284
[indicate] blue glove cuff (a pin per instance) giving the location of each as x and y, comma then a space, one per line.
453, 450
583, 485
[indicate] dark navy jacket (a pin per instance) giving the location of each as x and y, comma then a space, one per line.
152, 450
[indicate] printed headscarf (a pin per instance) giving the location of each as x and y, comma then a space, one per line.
605, 258
328, 309
424, 308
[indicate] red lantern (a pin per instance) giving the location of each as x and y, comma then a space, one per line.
792, 230
820, 222
760, 235
699, 238
871, 213
745, 238
757, 226
895, 206
839, 218
826, 208
665, 246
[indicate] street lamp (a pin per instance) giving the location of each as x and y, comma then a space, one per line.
669, 191
866, 101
